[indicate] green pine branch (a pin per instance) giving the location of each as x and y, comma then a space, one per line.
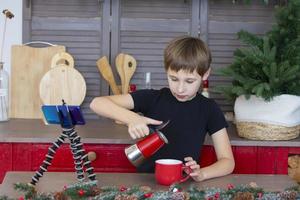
250, 39
269, 65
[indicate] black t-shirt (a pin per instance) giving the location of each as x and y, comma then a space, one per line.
189, 123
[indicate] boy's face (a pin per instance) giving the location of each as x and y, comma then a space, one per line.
184, 85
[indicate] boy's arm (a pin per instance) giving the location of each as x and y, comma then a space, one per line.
115, 107
225, 161
118, 107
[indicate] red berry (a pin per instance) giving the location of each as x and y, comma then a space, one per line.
81, 192
148, 195
230, 186
217, 195
123, 188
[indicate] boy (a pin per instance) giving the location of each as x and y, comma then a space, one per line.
187, 63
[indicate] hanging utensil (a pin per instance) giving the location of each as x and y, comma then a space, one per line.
106, 72
119, 66
129, 67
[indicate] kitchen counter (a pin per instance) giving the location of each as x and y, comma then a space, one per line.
102, 131
24, 143
50, 183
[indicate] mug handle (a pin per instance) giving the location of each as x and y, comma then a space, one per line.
185, 178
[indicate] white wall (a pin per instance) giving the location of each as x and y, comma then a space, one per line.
13, 33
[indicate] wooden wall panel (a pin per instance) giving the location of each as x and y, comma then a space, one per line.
156, 9
65, 8
145, 29
92, 28
77, 25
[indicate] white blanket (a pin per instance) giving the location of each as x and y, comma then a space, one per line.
283, 110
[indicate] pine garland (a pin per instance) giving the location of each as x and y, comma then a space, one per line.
89, 190
270, 65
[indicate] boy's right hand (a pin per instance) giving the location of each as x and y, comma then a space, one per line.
139, 128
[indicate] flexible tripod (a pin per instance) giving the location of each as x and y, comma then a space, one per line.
80, 157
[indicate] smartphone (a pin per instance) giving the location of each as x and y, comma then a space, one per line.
64, 115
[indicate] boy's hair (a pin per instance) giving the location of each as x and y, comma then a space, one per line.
187, 53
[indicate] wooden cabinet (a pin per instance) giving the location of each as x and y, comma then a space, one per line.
24, 144
111, 158
255, 160
5, 159
29, 156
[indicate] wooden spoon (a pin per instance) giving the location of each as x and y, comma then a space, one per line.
129, 67
107, 74
119, 65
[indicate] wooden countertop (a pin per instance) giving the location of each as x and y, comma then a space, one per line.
102, 131
50, 183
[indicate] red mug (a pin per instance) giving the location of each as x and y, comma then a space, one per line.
169, 171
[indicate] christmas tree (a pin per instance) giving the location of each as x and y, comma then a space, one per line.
270, 65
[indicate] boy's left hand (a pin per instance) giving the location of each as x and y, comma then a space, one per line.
196, 173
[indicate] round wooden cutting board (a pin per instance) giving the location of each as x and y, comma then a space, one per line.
62, 82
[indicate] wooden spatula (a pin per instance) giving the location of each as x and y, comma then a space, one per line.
119, 65
107, 74
129, 67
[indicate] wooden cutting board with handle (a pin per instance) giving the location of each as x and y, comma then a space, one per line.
62, 82
28, 65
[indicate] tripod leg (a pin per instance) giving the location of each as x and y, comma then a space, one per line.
75, 139
89, 168
76, 155
47, 162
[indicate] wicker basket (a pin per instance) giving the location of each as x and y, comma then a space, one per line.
263, 131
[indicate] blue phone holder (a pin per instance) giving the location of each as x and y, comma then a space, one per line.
61, 114
66, 116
